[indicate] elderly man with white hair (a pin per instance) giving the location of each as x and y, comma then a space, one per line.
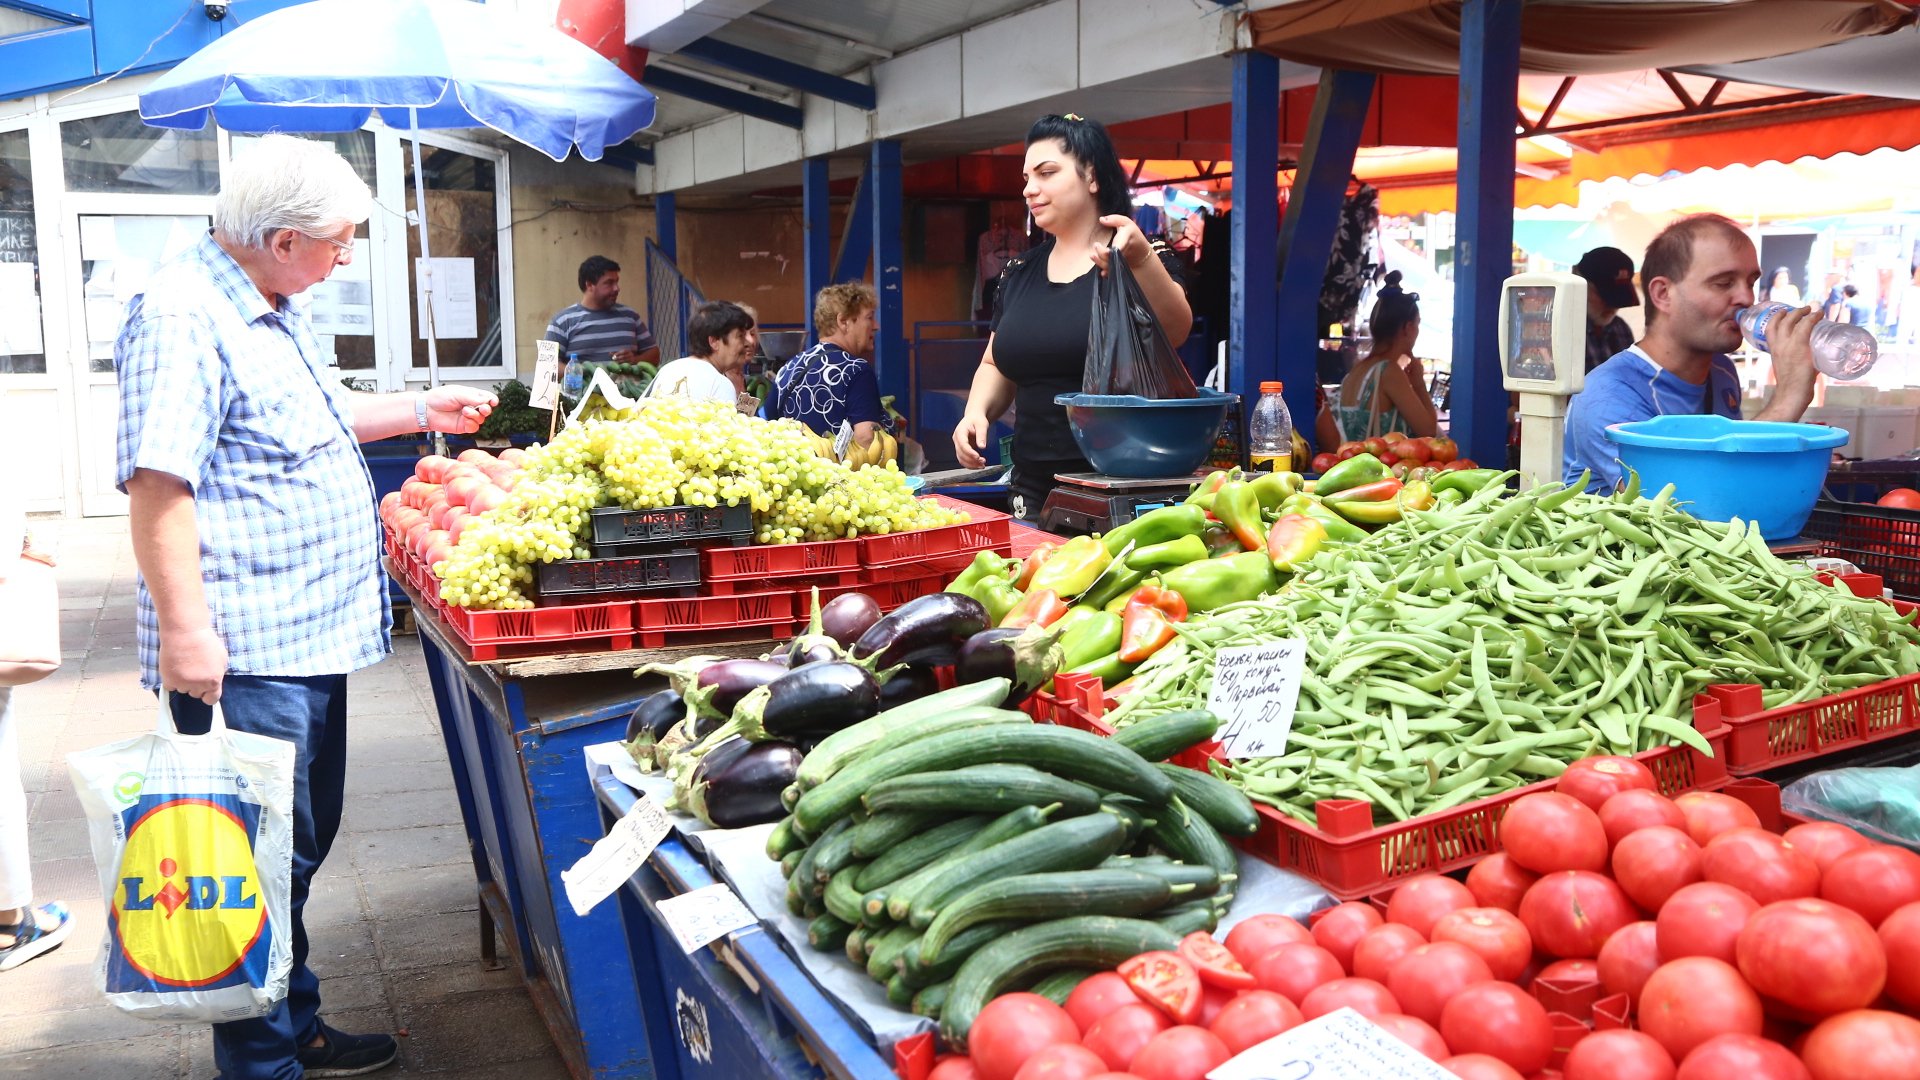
253, 521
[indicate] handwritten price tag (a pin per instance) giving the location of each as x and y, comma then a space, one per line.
1255, 690
545, 393
705, 915
615, 856
843, 440
1342, 1045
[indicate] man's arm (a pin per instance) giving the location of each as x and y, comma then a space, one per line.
166, 545
455, 410
1794, 374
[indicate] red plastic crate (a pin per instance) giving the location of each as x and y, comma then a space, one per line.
944, 567
1765, 739
701, 619
1351, 857
771, 562
494, 635
888, 594
988, 529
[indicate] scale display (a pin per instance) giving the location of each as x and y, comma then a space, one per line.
1543, 326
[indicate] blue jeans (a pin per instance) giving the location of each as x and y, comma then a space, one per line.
311, 713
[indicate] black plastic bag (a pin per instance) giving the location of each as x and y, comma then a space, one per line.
1127, 351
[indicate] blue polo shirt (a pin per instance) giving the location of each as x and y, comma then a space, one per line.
1632, 387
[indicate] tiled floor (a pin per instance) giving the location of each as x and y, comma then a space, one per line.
392, 917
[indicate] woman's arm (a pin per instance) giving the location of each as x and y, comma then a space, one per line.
1410, 399
1326, 433
1164, 295
987, 401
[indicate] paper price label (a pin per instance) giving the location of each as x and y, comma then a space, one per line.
705, 915
615, 856
1342, 1045
1255, 691
545, 393
843, 440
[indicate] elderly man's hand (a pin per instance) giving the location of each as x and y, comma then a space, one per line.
458, 410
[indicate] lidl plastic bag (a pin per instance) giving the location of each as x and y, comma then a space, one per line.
1127, 351
1879, 803
193, 839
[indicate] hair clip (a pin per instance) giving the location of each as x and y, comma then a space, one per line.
1075, 117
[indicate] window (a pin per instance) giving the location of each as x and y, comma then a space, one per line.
463, 225
22, 352
118, 153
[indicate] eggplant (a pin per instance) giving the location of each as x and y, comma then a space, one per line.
814, 700
739, 783
908, 682
1029, 657
926, 630
812, 649
651, 720
848, 616
720, 686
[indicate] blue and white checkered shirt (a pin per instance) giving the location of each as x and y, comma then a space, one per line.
222, 391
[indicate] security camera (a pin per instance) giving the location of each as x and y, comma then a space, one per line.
216, 9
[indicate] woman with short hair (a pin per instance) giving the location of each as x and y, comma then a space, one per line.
833, 382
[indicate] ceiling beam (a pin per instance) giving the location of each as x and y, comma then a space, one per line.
760, 66
708, 93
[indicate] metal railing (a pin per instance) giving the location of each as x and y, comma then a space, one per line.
671, 298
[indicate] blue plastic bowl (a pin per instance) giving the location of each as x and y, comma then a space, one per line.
1146, 438
1756, 471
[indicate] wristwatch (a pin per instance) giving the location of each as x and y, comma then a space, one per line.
420, 409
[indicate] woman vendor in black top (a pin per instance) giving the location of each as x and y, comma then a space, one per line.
1077, 193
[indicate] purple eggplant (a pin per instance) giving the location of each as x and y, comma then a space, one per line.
812, 649
848, 616
812, 700
654, 717
927, 630
1029, 657
909, 682
738, 783
720, 686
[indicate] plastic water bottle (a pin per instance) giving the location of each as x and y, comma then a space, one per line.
1841, 350
1270, 432
574, 382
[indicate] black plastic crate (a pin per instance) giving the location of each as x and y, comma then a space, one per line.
1866, 481
612, 525
621, 574
1880, 540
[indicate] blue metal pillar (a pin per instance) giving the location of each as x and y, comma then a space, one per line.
817, 260
1253, 267
663, 226
1483, 233
856, 236
1313, 220
889, 270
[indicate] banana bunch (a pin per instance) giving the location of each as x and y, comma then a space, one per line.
882, 449
822, 445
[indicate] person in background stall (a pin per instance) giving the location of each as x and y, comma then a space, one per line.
1782, 290
1854, 309
721, 335
1697, 273
599, 328
833, 382
1609, 275
1076, 192
1387, 389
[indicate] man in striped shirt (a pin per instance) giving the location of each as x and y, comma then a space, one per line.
600, 328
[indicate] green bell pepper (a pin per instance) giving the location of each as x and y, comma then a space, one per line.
1157, 527
984, 565
1220, 541
999, 597
1465, 481
1166, 556
1089, 638
1203, 492
1110, 668
1356, 470
1274, 488
1070, 570
1119, 580
1239, 510
1219, 582
1339, 529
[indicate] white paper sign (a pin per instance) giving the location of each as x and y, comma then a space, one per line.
1255, 690
614, 756
456, 311
705, 915
843, 440
1342, 1045
545, 393
615, 856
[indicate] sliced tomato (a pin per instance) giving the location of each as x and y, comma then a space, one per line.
1214, 963
1166, 981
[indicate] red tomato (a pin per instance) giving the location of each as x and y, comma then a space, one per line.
1824, 841
1216, 965
953, 1067
1628, 957
1339, 929
1062, 1061
1548, 831
1415, 1032
1866, 1044
1703, 919
1498, 936
1419, 902
1383, 947
1294, 970
1096, 996
1323, 462
1571, 971
1375, 446
1873, 881
1618, 1055
1431, 975
1710, 813
1408, 450
1479, 1067
1212, 1000
1498, 882
1120, 1034
1900, 937
1633, 809
1444, 449
1180, 1053
1690, 1000
1596, 779
1653, 864
1500, 1019
1903, 498
1346, 451
1572, 913
1364, 996
1253, 1017
1165, 981
1741, 1057
1257, 935
1761, 865
1013, 1028
1812, 955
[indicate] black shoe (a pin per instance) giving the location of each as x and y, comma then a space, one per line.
340, 1054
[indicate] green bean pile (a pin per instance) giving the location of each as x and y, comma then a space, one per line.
1460, 653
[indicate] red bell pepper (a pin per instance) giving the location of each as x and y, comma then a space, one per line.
1294, 539
1041, 607
1147, 622
1034, 558
1378, 491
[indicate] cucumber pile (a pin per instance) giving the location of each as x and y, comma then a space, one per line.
957, 850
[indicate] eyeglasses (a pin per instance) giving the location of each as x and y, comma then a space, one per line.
348, 248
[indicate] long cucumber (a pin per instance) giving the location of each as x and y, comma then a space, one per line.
1080, 941
896, 898
990, 789
1225, 807
1190, 917
810, 884
841, 898
1057, 986
882, 948
1036, 896
1076, 755
841, 747
1158, 738
964, 944
929, 999
782, 840
1190, 838
826, 933
1074, 844
909, 855
1198, 881
882, 831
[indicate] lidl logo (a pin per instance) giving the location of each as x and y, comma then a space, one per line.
188, 911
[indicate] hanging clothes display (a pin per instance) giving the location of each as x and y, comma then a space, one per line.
998, 246
1351, 266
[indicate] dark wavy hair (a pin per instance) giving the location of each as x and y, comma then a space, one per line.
595, 268
1393, 309
715, 319
1091, 148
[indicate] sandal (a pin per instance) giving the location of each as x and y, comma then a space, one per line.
31, 938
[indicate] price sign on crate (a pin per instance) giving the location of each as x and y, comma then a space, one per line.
1255, 690
1342, 1045
616, 856
546, 376
704, 915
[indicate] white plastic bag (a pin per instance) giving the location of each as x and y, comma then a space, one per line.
193, 838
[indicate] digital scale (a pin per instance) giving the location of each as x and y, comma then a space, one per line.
1543, 358
1096, 502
